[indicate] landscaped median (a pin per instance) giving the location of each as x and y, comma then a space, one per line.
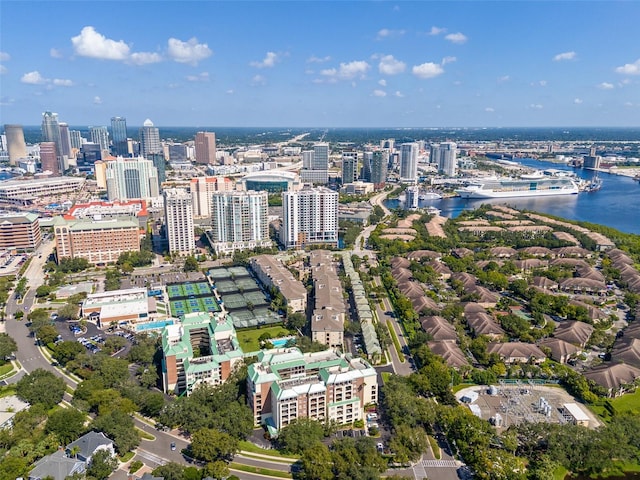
396, 342
259, 471
248, 448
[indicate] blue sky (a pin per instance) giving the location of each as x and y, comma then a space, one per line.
321, 64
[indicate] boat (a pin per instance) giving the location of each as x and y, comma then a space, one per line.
510, 187
533, 176
430, 196
594, 185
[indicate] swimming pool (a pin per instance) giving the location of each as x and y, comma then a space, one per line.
282, 341
153, 325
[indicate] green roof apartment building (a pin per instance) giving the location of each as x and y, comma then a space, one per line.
203, 348
285, 384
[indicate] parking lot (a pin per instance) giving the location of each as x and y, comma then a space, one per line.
91, 336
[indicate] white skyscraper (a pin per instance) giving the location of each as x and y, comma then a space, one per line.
239, 221
100, 135
309, 216
408, 162
448, 158
149, 139
178, 216
131, 178
315, 165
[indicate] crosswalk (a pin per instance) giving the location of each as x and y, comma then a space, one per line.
151, 457
440, 463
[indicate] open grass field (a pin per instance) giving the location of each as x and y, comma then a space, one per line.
249, 338
627, 403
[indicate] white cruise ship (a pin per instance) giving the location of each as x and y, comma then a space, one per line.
507, 187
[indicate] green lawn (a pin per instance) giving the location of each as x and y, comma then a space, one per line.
249, 338
259, 471
253, 448
629, 402
560, 473
396, 342
5, 369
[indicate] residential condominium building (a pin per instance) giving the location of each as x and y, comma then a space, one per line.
16, 145
202, 349
20, 231
285, 384
350, 170
239, 221
136, 209
379, 167
98, 241
178, 215
309, 216
202, 188
272, 273
448, 163
129, 178
409, 162
327, 319
28, 192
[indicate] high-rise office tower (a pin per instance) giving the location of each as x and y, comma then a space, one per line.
379, 168
76, 139
349, 166
307, 159
448, 158
51, 130
309, 216
367, 157
178, 215
16, 146
239, 221
131, 178
119, 136
160, 164
49, 158
205, 146
149, 139
65, 139
320, 156
100, 135
409, 162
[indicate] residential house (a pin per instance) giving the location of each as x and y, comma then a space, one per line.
517, 352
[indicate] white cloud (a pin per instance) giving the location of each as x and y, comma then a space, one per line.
61, 82
398, 94
190, 52
564, 56
314, 59
347, 71
230, 92
446, 60
269, 61
536, 106
427, 70
97, 100
379, 93
437, 30
577, 101
258, 80
382, 82
4, 57
55, 53
33, 78
95, 45
144, 58
458, 37
489, 109
542, 83
628, 104
387, 33
390, 66
504, 78
606, 86
3, 70
201, 77
629, 68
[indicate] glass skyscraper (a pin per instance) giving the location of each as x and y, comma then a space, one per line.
119, 136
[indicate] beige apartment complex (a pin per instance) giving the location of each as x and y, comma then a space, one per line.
272, 273
100, 242
20, 231
285, 384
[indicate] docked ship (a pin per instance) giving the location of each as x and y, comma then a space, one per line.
594, 185
509, 187
429, 196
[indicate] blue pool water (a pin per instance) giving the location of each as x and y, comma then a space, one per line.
153, 325
280, 342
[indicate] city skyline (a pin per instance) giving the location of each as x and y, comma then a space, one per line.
375, 64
